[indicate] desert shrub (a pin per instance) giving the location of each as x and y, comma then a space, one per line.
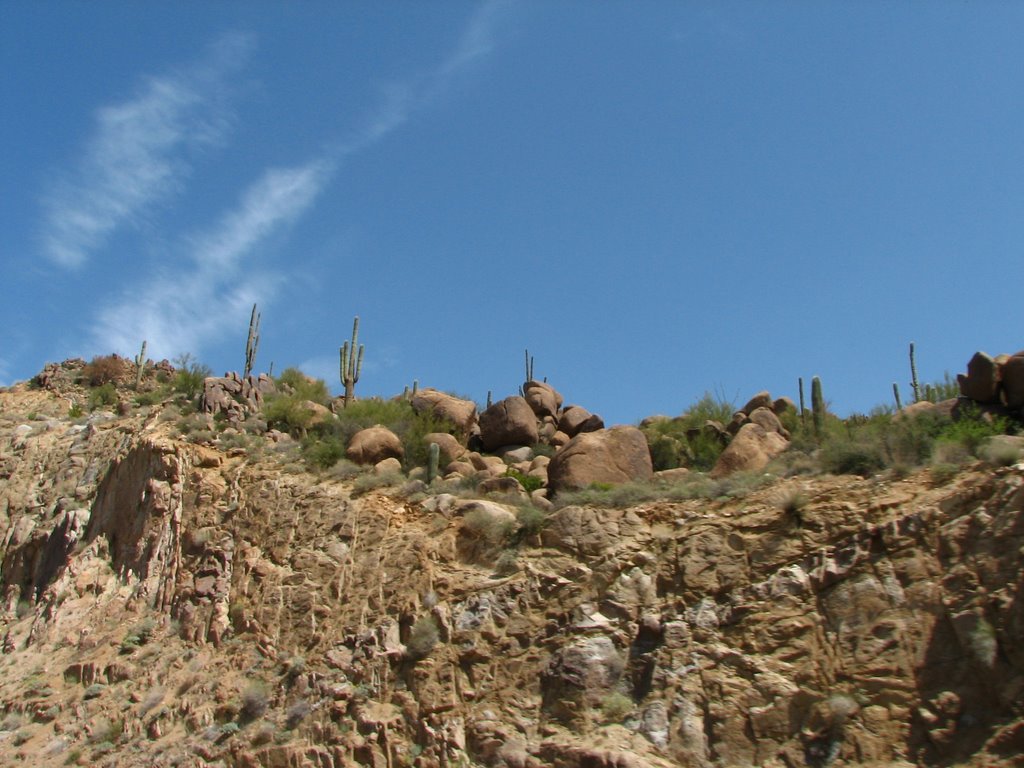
1001, 454
102, 395
189, 375
396, 415
288, 413
615, 706
937, 391
423, 638
151, 397
108, 369
852, 457
973, 428
486, 526
295, 383
373, 480
943, 473
792, 502
254, 702
683, 441
507, 563
530, 521
529, 483
296, 713
323, 453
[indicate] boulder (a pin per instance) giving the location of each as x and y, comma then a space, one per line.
461, 413
576, 419
751, 449
387, 466
374, 444
783, 405
542, 398
766, 418
451, 449
981, 383
508, 422
1012, 374
760, 400
616, 455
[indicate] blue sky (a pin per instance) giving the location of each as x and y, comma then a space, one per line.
657, 199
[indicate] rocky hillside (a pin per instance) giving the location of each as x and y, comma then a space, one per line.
168, 603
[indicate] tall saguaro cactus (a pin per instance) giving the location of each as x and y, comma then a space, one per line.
351, 363
817, 406
140, 365
253, 342
913, 375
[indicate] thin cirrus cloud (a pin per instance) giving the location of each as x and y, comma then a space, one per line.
211, 291
137, 155
181, 309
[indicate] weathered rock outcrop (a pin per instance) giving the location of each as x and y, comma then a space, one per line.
461, 413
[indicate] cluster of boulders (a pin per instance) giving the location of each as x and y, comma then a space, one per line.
532, 434
995, 381
758, 435
235, 396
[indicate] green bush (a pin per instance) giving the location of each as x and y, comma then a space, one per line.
103, 395
189, 375
683, 441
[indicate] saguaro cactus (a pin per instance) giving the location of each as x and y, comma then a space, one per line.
803, 407
140, 365
253, 342
433, 458
913, 375
351, 363
817, 406
896, 394
529, 366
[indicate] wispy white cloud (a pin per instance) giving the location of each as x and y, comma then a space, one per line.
137, 154
209, 293
399, 100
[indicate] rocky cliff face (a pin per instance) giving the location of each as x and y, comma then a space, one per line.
168, 604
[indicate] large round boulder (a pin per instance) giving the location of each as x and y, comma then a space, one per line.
616, 455
373, 445
508, 422
461, 413
751, 449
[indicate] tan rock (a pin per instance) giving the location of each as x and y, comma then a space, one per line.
374, 444
461, 413
576, 419
760, 400
508, 422
542, 398
615, 455
1012, 377
981, 383
751, 449
451, 448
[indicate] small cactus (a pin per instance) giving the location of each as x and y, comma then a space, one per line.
433, 459
896, 394
529, 366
